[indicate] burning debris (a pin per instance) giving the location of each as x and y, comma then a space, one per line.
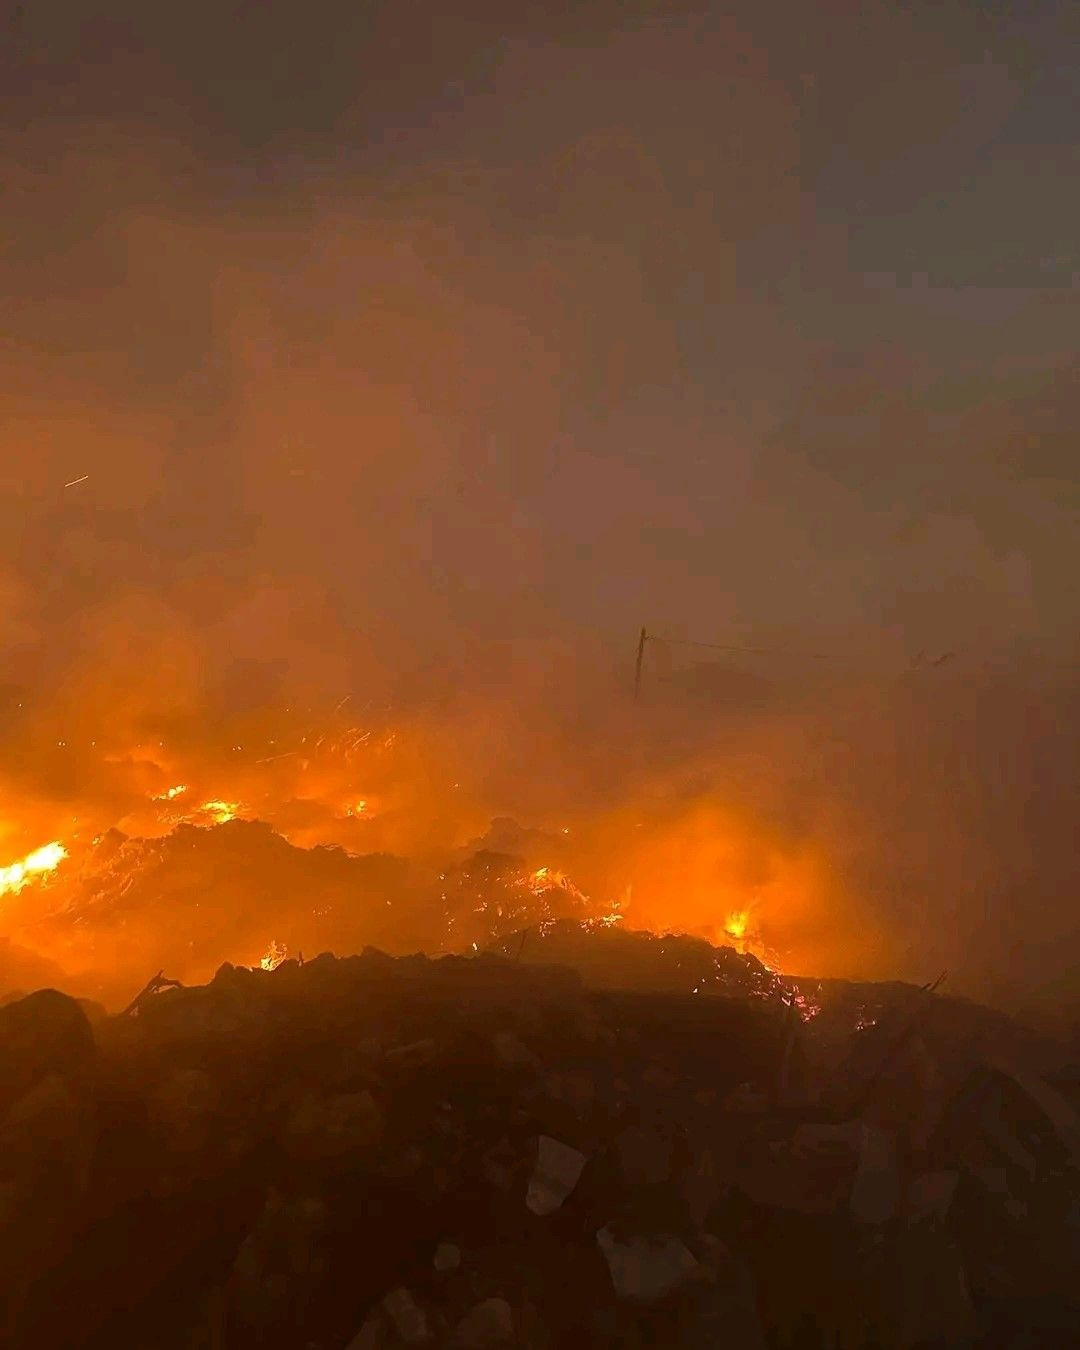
537, 1163
274, 957
31, 868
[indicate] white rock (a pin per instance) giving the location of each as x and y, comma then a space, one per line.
647, 1268
409, 1319
489, 1323
447, 1257
930, 1194
558, 1170
876, 1189
512, 1050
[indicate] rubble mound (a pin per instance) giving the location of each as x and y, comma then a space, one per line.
235, 888
374, 1152
611, 956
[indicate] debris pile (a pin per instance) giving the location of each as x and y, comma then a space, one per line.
374, 1152
236, 887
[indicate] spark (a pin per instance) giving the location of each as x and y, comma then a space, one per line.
76, 481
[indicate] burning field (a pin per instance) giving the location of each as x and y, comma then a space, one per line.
305, 838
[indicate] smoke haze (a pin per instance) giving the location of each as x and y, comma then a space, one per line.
420, 361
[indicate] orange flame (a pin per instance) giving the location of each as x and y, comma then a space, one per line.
219, 812
737, 924
19, 874
274, 957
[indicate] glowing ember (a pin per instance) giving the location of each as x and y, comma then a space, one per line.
807, 1007
274, 957
544, 879
219, 812
30, 868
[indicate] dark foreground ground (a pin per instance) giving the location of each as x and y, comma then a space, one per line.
373, 1152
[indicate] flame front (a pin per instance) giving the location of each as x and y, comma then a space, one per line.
737, 924
219, 812
274, 957
30, 868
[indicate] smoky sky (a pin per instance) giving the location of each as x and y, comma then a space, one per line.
402, 345
653, 315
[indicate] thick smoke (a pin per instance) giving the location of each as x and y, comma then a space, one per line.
432, 432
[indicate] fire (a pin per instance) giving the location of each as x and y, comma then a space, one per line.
737, 924
14, 877
366, 790
546, 879
274, 957
741, 931
219, 812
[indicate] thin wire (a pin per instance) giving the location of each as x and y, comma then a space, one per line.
720, 647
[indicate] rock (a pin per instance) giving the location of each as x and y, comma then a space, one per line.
875, 1191
845, 1137
279, 1263
375, 1334
325, 1128
95, 1012
1062, 1118
927, 1301
47, 1140
576, 1088
408, 1318
701, 1187
745, 1100
724, 1308
181, 1108
499, 1164
645, 1156
447, 1257
558, 1170
647, 1268
777, 1175
44, 1033
513, 1051
930, 1195
413, 1054
489, 1323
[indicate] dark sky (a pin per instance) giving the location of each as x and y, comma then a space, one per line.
389, 332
